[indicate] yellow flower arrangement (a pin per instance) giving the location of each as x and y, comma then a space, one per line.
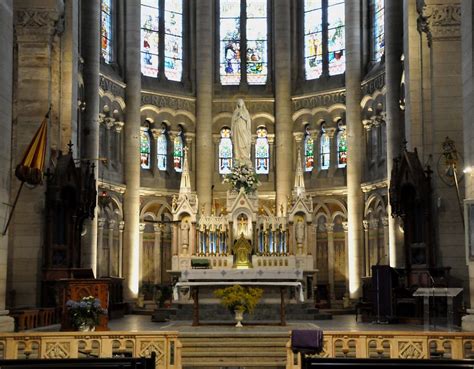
240, 298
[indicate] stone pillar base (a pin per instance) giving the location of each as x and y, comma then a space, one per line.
7, 323
468, 321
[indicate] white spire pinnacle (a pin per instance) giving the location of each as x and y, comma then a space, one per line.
299, 188
185, 185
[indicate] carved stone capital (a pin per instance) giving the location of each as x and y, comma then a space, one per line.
345, 226
112, 224
35, 24
156, 132
121, 226
158, 228
367, 123
330, 227
298, 136
439, 20
141, 227
330, 132
119, 126
366, 224
385, 221
100, 222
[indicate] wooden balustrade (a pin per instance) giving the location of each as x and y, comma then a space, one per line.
34, 317
392, 345
64, 345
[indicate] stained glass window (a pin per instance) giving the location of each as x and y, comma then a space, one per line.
162, 150
378, 33
324, 20
150, 37
325, 151
225, 152
145, 149
262, 152
178, 152
174, 39
257, 42
313, 38
308, 152
342, 148
336, 37
230, 42
255, 45
106, 30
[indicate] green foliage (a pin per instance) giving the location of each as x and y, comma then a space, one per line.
242, 177
239, 298
162, 293
86, 311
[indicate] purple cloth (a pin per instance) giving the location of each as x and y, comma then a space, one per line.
307, 341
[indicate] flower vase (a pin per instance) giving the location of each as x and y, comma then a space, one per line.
86, 328
239, 316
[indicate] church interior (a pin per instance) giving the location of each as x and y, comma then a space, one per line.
162, 156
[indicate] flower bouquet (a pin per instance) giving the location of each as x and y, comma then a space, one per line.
85, 313
244, 177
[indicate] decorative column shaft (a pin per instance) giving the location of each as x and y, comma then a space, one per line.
346, 253
120, 249
110, 247
131, 249
141, 262
283, 124
6, 69
157, 253
100, 245
394, 119
90, 129
330, 230
366, 247
355, 144
204, 80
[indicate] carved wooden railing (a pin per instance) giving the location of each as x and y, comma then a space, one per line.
62, 345
392, 345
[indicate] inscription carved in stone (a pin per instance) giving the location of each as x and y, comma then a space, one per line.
315, 101
168, 102
108, 85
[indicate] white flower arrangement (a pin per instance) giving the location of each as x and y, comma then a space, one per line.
242, 177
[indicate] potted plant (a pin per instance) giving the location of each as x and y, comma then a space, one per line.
162, 296
239, 300
85, 313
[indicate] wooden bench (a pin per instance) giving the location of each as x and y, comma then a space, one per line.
325, 363
96, 363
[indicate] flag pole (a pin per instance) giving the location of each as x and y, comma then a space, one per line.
13, 208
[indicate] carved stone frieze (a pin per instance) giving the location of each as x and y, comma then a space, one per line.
252, 106
38, 22
112, 87
439, 21
314, 101
172, 102
374, 84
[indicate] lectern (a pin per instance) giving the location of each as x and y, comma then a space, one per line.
448, 293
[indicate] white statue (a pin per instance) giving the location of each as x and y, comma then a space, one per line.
185, 233
299, 231
241, 134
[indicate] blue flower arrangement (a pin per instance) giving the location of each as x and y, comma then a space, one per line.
85, 312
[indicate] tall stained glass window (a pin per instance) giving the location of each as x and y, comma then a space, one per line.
308, 152
324, 20
262, 152
145, 149
150, 16
174, 39
162, 20
378, 33
225, 152
178, 152
342, 148
325, 151
162, 150
255, 45
336, 37
106, 30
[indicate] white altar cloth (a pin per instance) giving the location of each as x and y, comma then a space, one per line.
241, 274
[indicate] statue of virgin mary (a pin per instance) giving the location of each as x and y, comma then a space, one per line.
241, 134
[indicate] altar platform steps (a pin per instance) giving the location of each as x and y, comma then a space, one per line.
238, 349
263, 312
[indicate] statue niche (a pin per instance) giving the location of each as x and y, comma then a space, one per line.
242, 251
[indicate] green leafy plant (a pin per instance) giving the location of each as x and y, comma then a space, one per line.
85, 312
242, 177
240, 298
162, 293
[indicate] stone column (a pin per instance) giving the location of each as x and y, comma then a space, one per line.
441, 20
283, 120
174, 240
110, 256
468, 112
131, 249
386, 244
331, 132
366, 225
120, 250
141, 252
90, 123
100, 246
346, 251
355, 144
394, 119
204, 91
330, 230
36, 59
6, 73
157, 253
